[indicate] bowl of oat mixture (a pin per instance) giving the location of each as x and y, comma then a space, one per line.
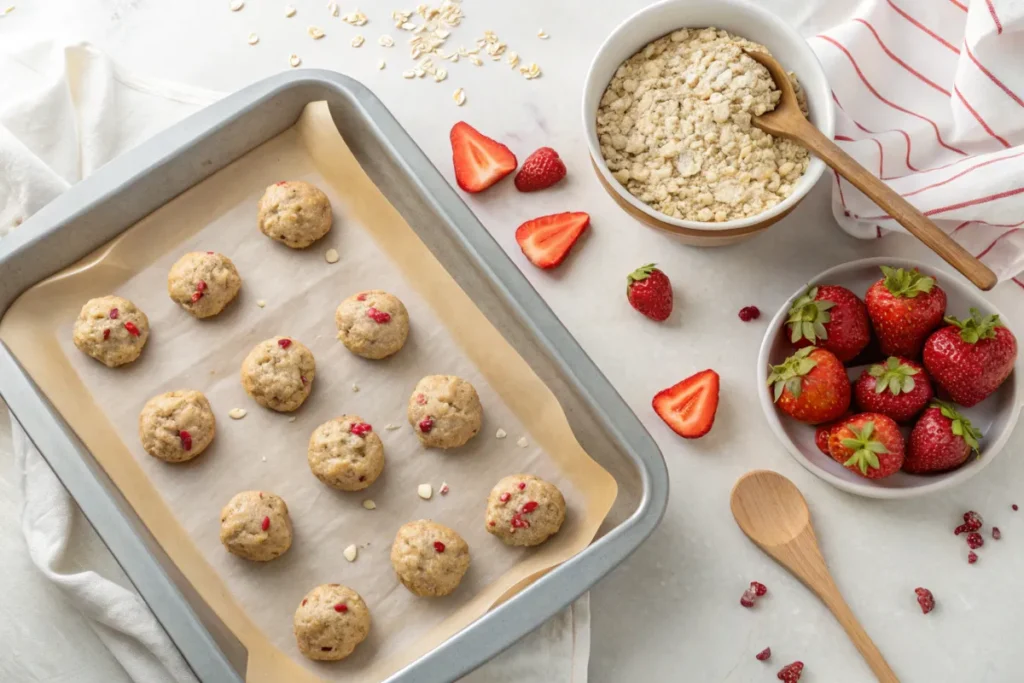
668, 118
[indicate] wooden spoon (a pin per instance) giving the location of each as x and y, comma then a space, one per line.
772, 513
787, 121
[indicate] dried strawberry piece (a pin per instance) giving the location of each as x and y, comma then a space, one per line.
284, 343
530, 507
975, 540
518, 522
341, 607
996, 533
505, 497
361, 429
972, 520
361, 296
114, 313
748, 598
438, 546
186, 440
758, 588
106, 334
132, 330
925, 599
492, 523
196, 296
421, 399
266, 523
522, 485
304, 601
201, 286
444, 490
763, 655
748, 313
791, 672
281, 182
972, 557
209, 252
1014, 507
426, 424
379, 317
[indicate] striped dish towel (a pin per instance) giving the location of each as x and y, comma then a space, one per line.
930, 96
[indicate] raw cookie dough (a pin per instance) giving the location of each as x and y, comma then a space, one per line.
203, 282
176, 426
524, 510
330, 621
112, 330
429, 558
345, 453
255, 525
295, 213
372, 324
278, 373
444, 411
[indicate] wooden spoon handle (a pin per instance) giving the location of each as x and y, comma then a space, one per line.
830, 595
896, 206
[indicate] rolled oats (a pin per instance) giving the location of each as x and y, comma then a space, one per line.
675, 128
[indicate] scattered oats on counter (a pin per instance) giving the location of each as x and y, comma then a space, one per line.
289, 11
234, 6
386, 41
295, 60
513, 59
409, 73
500, 434
459, 96
333, 9
369, 504
355, 388
315, 33
253, 39
351, 552
530, 71
522, 442
261, 303
356, 18
332, 256
425, 491
237, 413
381, 64
292, 418
440, 75
7, 10
675, 129
358, 41
542, 34
391, 427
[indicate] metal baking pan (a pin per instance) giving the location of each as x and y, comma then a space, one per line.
127, 189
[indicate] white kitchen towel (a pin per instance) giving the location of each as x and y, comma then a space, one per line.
77, 111
930, 97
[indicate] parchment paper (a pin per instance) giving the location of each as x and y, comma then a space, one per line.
267, 450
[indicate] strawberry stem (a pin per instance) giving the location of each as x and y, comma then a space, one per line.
977, 327
960, 425
865, 449
906, 283
893, 375
807, 317
789, 373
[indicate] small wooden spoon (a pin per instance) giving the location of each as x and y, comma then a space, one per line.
787, 121
772, 513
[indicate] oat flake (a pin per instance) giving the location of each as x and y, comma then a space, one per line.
289, 11
332, 256
237, 413
500, 434
234, 6
522, 442
294, 60
261, 303
355, 388
409, 73
369, 504
425, 491
542, 34
386, 41
459, 96
392, 427
315, 33
381, 64
350, 553
333, 9
253, 39
358, 41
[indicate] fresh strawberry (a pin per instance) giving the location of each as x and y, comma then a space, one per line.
904, 307
479, 161
897, 388
650, 292
869, 444
689, 407
822, 433
811, 386
541, 170
832, 318
941, 440
546, 241
971, 358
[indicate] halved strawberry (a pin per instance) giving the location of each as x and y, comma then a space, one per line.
689, 407
479, 161
546, 241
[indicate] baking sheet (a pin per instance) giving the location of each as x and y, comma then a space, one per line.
266, 450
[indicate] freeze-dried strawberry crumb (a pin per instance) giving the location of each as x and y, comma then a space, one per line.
421, 399
748, 598
426, 424
209, 252
1014, 507
186, 440
132, 330
201, 286
791, 672
376, 316
758, 588
996, 533
492, 523
972, 557
972, 520
266, 523
196, 296
341, 607
114, 313
444, 490
748, 313
281, 182
438, 546
925, 599
361, 297
518, 522
529, 507
763, 655
284, 343
361, 429
505, 497
304, 601
975, 540
106, 334
522, 485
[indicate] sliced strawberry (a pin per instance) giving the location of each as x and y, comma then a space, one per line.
479, 161
689, 407
546, 241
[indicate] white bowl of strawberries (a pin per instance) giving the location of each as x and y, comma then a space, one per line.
910, 390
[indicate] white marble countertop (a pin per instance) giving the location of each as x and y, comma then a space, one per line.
671, 611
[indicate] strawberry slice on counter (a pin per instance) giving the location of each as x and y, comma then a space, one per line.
546, 241
541, 170
479, 161
689, 407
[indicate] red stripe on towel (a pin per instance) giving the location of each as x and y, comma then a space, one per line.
924, 28
992, 77
995, 17
899, 61
978, 118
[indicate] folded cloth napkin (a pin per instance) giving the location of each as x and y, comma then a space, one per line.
78, 111
930, 97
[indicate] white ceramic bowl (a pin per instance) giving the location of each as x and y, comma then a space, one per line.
995, 416
742, 19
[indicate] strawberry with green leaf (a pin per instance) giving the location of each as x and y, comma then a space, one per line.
898, 388
830, 317
904, 307
971, 358
811, 386
941, 440
869, 444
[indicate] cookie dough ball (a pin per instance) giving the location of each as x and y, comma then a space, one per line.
203, 282
176, 426
255, 525
278, 373
112, 330
330, 621
372, 324
524, 510
345, 453
445, 411
295, 213
429, 558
